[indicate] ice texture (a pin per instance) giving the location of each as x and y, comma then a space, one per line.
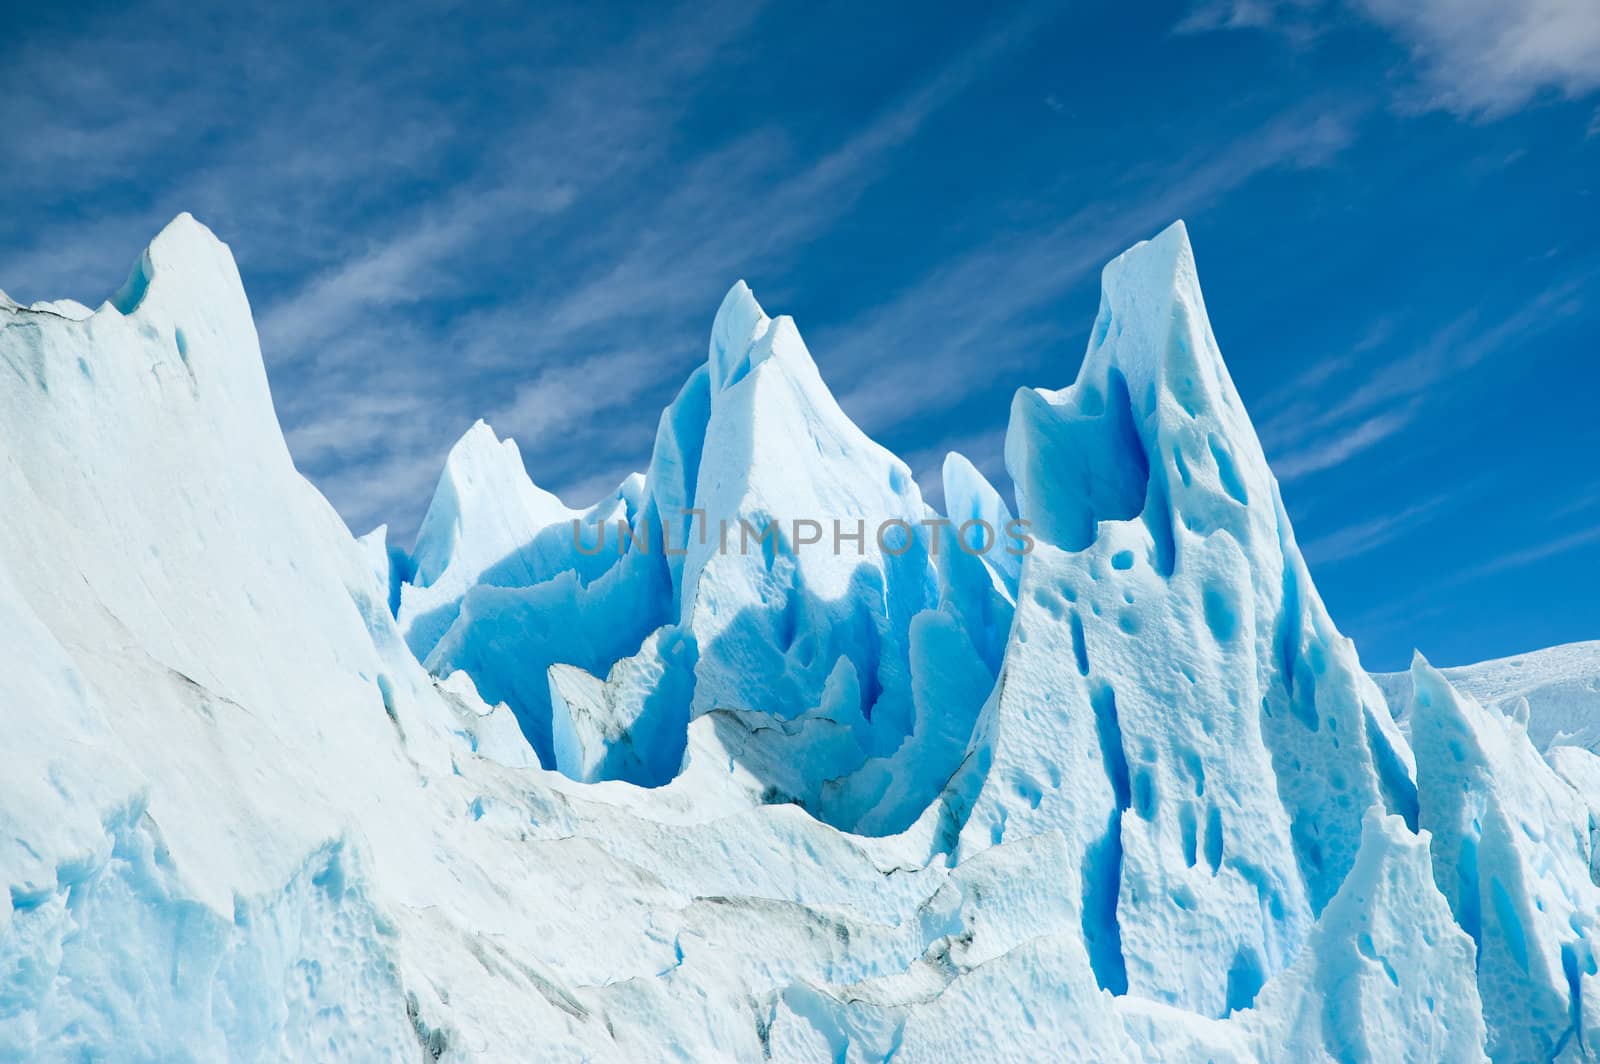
1561, 686
1512, 851
541, 788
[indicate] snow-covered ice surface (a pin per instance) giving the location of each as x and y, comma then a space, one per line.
1561, 685
274, 792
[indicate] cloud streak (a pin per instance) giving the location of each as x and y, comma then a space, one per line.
1341, 407
582, 355
984, 308
1363, 537
1550, 548
1474, 57
1492, 56
1343, 444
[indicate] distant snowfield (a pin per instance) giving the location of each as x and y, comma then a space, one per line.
1561, 685
273, 792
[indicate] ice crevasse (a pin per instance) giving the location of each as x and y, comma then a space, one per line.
276, 792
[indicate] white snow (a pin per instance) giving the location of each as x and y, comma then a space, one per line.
1561, 686
481, 527
1511, 843
273, 792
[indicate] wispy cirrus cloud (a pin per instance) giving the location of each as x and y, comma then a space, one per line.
579, 361
1492, 56
1370, 534
1340, 408
392, 249
1473, 57
982, 312
1403, 613
1297, 19
367, 301
1342, 443
1552, 547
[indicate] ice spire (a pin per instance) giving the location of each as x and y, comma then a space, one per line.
480, 527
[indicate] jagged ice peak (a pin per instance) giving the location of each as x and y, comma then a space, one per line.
1114, 788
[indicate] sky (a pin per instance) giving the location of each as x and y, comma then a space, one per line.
446, 211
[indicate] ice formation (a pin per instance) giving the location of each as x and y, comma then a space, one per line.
1560, 686
593, 784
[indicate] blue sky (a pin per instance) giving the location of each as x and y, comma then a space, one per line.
459, 210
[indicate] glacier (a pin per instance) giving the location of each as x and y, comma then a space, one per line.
1557, 690
587, 783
